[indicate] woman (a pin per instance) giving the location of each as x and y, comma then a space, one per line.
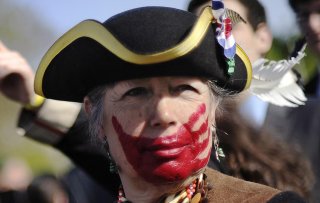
151, 80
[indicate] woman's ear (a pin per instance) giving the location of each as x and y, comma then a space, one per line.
99, 132
264, 38
87, 105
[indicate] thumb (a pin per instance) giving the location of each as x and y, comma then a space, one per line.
3, 47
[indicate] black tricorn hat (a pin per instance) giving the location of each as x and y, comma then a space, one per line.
143, 42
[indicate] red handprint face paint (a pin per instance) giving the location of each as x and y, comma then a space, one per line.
172, 157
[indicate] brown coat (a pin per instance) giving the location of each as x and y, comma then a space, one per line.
229, 189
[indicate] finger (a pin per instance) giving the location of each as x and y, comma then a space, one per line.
12, 60
3, 47
10, 55
18, 65
5, 70
9, 66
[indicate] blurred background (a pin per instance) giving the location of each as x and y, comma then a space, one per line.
30, 27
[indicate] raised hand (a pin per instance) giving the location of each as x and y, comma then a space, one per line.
16, 76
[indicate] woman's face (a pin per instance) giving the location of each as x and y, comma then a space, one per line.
159, 128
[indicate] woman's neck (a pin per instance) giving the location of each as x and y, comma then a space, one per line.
136, 190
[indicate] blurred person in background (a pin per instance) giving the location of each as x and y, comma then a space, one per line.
15, 176
253, 153
255, 38
308, 18
74, 186
302, 125
47, 188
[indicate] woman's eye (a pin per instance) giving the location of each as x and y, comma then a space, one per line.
182, 88
137, 91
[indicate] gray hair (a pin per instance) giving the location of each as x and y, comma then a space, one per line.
97, 95
96, 116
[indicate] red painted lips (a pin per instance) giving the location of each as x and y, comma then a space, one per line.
166, 146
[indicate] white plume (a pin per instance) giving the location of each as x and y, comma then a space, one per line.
276, 82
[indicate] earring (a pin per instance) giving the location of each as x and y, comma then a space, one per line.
112, 165
113, 169
218, 150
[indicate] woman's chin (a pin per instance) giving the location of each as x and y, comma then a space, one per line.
168, 173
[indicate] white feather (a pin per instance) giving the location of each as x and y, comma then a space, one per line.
275, 82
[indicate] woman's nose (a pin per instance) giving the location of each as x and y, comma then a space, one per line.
163, 113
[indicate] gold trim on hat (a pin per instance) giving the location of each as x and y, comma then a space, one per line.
243, 56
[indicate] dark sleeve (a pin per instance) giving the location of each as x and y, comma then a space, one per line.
82, 188
81, 149
64, 126
286, 197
